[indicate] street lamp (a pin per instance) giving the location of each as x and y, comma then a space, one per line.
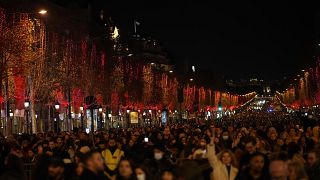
57, 107
11, 122
100, 109
26, 106
43, 12
81, 118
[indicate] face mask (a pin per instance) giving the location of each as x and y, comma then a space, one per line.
225, 137
141, 176
158, 156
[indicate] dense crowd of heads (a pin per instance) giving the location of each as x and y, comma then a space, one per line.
259, 145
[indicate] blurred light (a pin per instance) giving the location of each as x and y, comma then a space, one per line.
170, 71
26, 104
193, 69
128, 111
115, 33
150, 111
57, 106
36, 116
100, 109
152, 63
130, 55
109, 115
11, 114
42, 12
191, 79
81, 108
302, 70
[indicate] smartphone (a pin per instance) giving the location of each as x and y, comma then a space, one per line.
146, 139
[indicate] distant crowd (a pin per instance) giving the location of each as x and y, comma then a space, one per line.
251, 145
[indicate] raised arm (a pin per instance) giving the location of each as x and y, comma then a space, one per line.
212, 157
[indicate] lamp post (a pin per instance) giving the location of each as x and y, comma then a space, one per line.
57, 107
81, 118
100, 109
11, 123
26, 106
128, 118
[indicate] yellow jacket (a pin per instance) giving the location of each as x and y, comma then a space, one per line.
112, 160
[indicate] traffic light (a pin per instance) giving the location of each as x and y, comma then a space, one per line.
219, 106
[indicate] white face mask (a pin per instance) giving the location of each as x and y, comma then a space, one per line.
141, 177
225, 137
158, 156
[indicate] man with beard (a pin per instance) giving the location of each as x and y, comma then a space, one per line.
256, 170
93, 166
112, 156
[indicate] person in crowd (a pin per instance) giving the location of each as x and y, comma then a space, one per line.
224, 165
112, 156
296, 171
250, 148
142, 173
159, 162
278, 170
313, 165
93, 166
257, 168
14, 166
168, 174
125, 170
56, 169
201, 151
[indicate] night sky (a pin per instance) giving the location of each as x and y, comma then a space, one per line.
238, 39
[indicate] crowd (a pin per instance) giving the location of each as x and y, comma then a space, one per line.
261, 145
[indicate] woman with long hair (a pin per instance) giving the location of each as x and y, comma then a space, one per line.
224, 164
296, 171
125, 170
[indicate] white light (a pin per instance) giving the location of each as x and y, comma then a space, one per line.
220, 108
191, 79
43, 11
36, 116
128, 111
170, 71
81, 108
130, 55
100, 109
150, 111
138, 110
144, 113
152, 63
11, 114
109, 115
26, 104
73, 115
193, 69
306, 114
57, 106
